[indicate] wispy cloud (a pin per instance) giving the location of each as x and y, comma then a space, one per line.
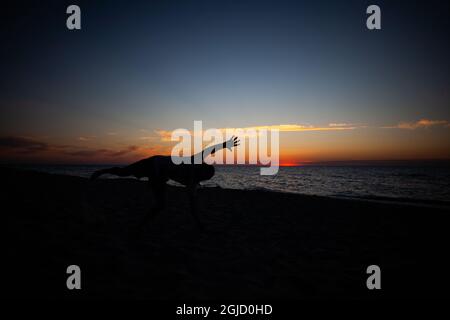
342, 124
422, 123
100, 152
165, 135
149, 138
25, 145
122, 152
301, 128
85, 138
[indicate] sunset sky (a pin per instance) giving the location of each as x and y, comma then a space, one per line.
109, 92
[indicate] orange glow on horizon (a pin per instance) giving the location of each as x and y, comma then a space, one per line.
290, 164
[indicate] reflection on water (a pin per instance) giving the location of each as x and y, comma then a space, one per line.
401, 183
420, 183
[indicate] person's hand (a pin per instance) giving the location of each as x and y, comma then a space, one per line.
233, 142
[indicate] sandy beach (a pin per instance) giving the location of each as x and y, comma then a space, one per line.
257, 245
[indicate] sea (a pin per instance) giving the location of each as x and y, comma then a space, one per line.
428, 185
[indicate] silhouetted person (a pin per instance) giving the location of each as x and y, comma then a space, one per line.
159, 169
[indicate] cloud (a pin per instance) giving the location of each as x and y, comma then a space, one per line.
340, 124
23, 144
422, 123
299, 128
102, 152
165, 135
123, 152
85, 153
86, 138
149, 138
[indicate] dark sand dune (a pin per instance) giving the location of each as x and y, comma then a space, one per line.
257, 244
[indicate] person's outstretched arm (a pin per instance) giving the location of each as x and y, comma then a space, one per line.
229, 144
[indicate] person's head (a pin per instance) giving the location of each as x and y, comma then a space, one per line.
205, 172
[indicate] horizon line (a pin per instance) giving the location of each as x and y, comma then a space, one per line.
286, 164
